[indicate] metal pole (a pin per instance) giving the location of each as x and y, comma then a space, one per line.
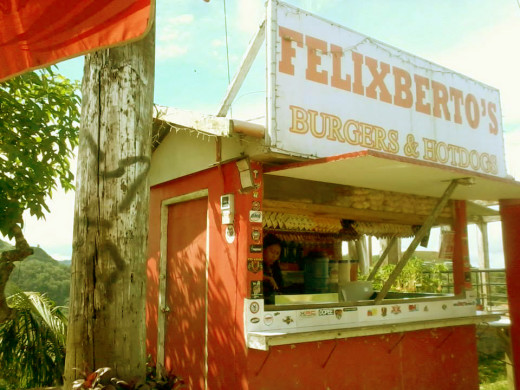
483, 252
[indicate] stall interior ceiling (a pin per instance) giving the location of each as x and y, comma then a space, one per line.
292, 204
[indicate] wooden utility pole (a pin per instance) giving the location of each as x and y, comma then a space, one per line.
108, 289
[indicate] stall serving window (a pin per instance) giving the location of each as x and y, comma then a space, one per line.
322, 229
328, 288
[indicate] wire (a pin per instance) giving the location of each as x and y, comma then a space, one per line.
227, 53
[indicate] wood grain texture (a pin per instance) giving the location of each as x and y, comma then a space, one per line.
107, 312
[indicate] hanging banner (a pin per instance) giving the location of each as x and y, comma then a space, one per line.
35, 34
333, 91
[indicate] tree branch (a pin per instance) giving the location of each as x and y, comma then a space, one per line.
22, 250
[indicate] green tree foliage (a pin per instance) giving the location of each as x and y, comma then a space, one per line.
39, 272
416, 276
32, 343
39, 119
49, 278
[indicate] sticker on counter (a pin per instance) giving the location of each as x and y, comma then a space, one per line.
256, 205
268, 319
413, 308
372, 312
326, 312
256, 235
288, 320
426, 308
254, 307
254, 265
256, 289
350, 309
255, 320
255, 216
307, 313
338, 313
465, 303
384, 311
396, 309
471, 295
444, 307
255, 248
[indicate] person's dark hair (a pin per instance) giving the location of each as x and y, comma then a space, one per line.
271, 239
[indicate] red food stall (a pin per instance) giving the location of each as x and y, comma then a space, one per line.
361, 139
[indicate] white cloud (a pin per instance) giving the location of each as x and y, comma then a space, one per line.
250, 15
182, 19
174, 35
54, 233
60, 256
171, 51
512, 148
490, 56
218, 42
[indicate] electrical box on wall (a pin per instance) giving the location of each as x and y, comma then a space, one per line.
227, 208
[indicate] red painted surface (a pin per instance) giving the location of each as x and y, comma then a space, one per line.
461, 265
227, 277
430, 359
434, 359
186, 291
35, 34
510, 215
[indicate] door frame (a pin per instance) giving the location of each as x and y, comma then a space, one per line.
163, 308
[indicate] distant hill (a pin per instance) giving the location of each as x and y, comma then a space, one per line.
40, 272
431, 256
4, 246
39, 253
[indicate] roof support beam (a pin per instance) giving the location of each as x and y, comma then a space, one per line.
385, 253
245, 65
425, 228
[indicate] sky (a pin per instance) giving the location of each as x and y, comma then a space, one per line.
195, 58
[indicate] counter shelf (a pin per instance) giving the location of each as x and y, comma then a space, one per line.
267, 325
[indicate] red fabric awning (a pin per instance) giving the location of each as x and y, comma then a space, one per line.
38, 33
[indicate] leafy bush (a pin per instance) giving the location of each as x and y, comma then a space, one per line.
102, 380
492, 368
32, 344
417, 276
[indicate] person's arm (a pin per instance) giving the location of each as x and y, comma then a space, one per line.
271, 281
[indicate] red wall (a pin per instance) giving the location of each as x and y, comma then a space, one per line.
431, 359
227, 277
434, 359
510, 215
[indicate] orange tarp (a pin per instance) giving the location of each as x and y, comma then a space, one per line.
37, 33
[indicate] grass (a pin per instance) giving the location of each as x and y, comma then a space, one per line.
500, 385
492, 372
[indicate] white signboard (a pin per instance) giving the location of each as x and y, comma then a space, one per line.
333, 91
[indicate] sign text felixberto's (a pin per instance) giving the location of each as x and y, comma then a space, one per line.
447, 102
338, 91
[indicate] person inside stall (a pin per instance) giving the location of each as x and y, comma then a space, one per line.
273, 279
